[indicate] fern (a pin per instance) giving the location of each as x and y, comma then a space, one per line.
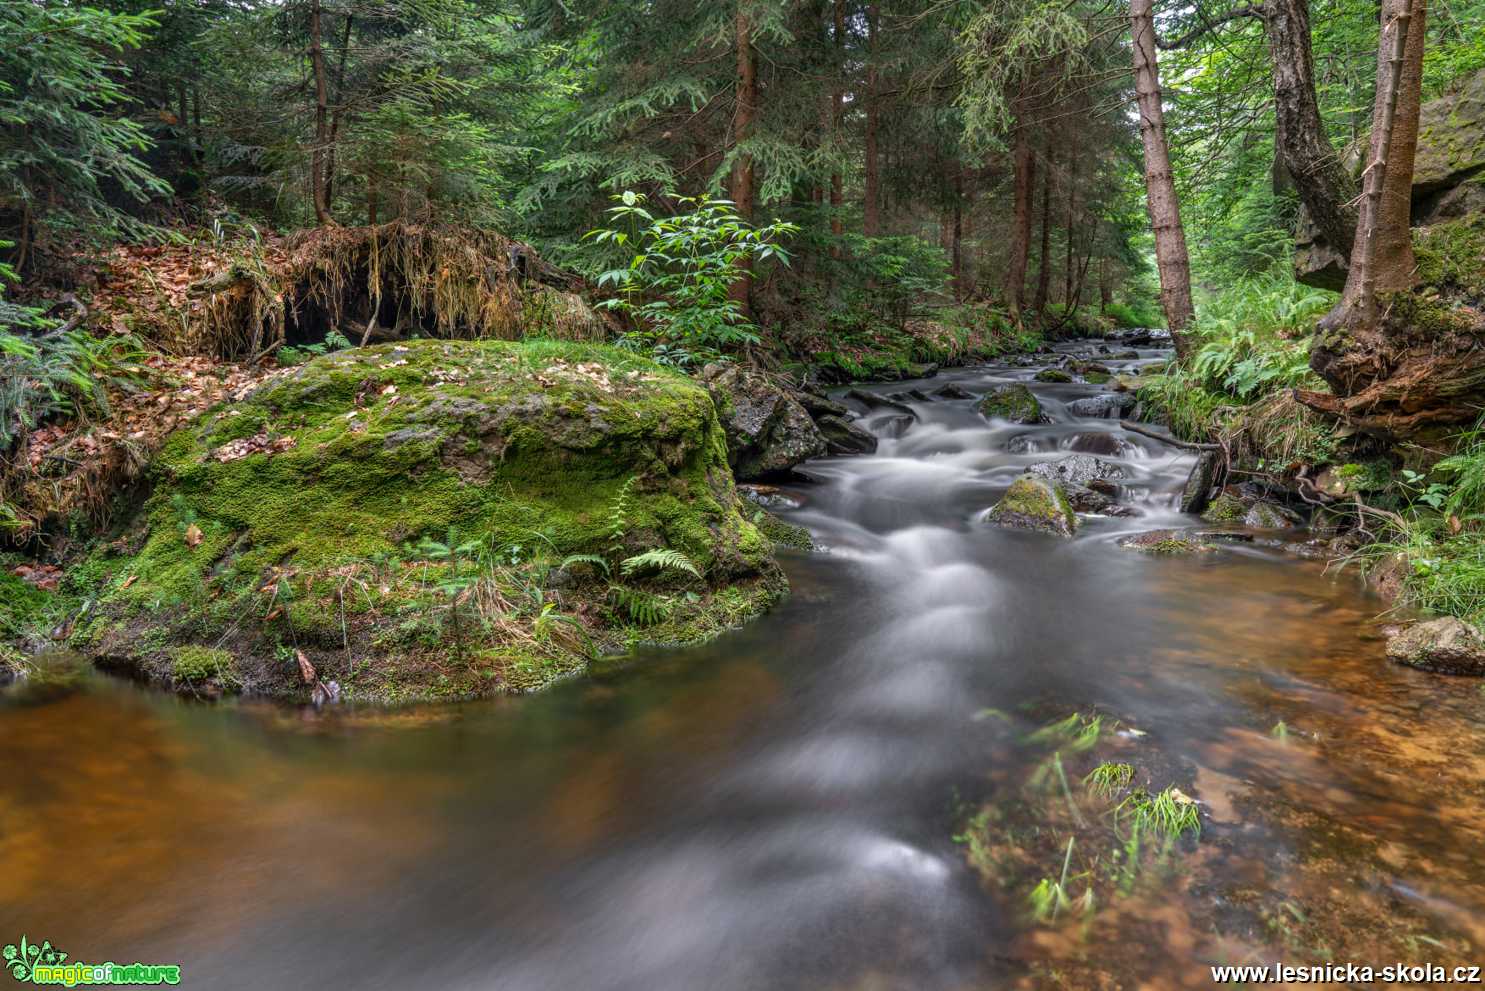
597, 561
661, 559
643, 608
618, 517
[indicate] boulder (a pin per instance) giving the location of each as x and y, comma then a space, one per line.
353, 507
1266, 515
844, 437
873, 401
1226, 508
1033, 503
1197, 491
952, 391
1055, 375
768, 430
817, 405
1015, 403
1106, 406
1078, 469
1448, 645
1101, 442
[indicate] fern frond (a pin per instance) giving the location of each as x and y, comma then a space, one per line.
595, 560
660, 559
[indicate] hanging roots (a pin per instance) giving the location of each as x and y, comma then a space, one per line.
239, 302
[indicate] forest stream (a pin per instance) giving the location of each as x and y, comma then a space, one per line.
779, 808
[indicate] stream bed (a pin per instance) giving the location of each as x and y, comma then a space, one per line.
779, 808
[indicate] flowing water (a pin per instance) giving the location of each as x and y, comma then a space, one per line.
777, 809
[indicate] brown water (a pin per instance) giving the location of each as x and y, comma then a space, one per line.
775, 809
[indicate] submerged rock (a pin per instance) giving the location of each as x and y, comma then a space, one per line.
952, 391
1034, 503
1015, 403
768, 430
1448, 645
844, 437
1167, 542
379, 509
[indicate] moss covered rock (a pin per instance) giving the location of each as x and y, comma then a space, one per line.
1034, 503
1226, 508
1015, 403
436, 519
1053, 375
1167, 542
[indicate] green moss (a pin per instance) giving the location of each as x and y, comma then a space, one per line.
1226, 508
781, 533
1053, 375
197, 664
1451, 257
1096, 378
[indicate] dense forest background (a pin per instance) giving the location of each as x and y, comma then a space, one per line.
917, 145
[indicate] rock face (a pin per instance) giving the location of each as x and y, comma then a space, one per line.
768, 430
1107, 406
1448, 179
374, 507
1033, 503
1448, 645
1014, 403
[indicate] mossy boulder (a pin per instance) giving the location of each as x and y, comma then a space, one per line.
1054, 375
405, 518
1226, 508
1264, 515
1034, 503
1448, 645
1015, 403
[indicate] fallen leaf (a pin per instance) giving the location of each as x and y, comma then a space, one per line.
129, 581
306, 669
193, 536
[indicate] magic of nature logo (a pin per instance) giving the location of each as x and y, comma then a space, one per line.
43, 963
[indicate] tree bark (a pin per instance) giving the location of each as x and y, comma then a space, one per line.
1044, 265
746, 114
1327, 190
956, 237
1171, 259
322, 115
338, 113
1024, 166
871, 209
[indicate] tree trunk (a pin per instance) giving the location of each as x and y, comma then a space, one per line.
956, 239
1068, 297
1044, 266
1396, 382
871, 215
742, 164
1105, 291
1359, 300
1171, 260
837, 101
1325, 187
339, 112
1024, 165
322, 118
1395, 266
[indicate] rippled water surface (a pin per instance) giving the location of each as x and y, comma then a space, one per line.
777, 809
